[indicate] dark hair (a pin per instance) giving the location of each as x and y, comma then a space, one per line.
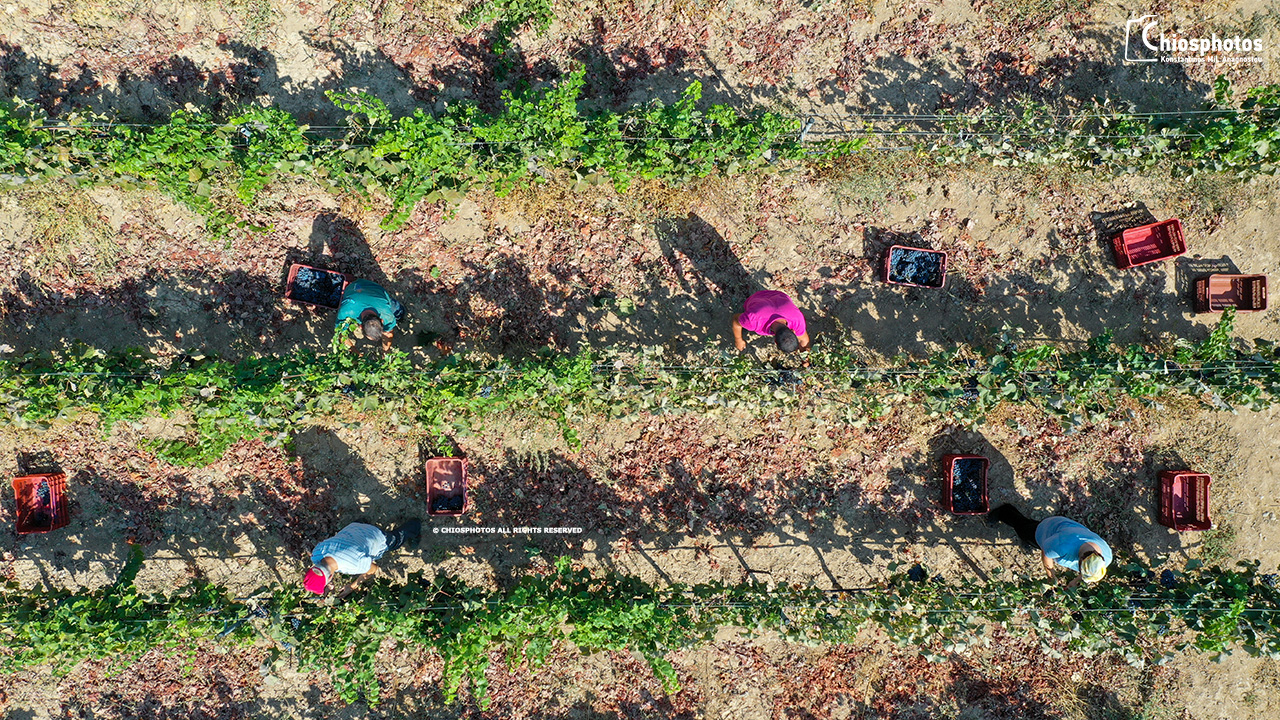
785, 338
371, 324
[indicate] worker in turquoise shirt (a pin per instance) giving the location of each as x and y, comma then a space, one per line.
369, 304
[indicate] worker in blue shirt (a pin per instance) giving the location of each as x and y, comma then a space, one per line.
1062, 542
353, 551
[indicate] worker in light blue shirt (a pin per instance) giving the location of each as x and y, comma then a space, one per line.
369, 304
1062, 542
353, 551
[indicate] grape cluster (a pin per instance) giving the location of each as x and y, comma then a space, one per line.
442, 504
318, 287
917, 267
966, 486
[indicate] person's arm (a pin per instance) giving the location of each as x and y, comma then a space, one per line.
804, 348
344, 327
386, 340
1048, 564
738, 342
373, 570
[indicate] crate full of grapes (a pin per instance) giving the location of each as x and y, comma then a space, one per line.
964, 484
315, 286
915, 267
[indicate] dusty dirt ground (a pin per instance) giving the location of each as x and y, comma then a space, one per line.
668, 498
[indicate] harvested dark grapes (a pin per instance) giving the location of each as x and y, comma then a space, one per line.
783, 379
1168, 579
915, 267
443, 504
967, 485
318, 287
42, 493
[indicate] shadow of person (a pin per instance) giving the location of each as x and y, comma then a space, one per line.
347, 245
716, 269
353, 485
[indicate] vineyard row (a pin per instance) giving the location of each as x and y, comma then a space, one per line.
218, 165
274, 397
1145, 616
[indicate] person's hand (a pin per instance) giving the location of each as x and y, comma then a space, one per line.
349, 342
740, 344
386, 342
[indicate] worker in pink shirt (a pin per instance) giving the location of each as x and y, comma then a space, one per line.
770, 312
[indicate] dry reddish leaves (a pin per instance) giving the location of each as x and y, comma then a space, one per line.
199, 683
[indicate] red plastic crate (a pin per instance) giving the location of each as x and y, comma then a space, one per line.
1184, 500
35, 515
293, 275
446, 479
1149, 243
942, 266
1245, 293
948, 480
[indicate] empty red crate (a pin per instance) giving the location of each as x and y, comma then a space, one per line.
309, 297
1149, 243
912, 274
1246, 293
1184, 500
41, 502
971, 500
446, 486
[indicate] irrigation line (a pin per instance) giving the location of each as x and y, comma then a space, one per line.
760, 606
609, 370
1030, 135
1069, 116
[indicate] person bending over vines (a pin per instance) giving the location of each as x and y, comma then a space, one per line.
367, 304
353, 552
770, 312
1062, 542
